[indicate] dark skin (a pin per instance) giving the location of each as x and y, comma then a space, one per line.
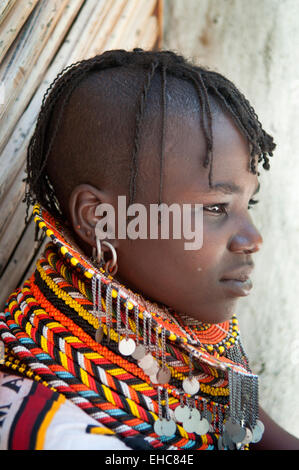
168, 274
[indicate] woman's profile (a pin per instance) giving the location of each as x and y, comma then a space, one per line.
132, 342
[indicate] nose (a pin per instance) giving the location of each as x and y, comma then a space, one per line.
247, 239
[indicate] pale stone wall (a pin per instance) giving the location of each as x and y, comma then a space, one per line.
256, 44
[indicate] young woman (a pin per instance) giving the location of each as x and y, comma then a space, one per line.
132, 342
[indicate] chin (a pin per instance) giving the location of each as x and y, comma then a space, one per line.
218, 314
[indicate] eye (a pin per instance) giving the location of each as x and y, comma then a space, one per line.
221, 208
211, 208
252, 202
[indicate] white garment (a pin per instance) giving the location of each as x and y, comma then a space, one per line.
61, 425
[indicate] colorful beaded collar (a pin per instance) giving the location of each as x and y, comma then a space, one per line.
208, 343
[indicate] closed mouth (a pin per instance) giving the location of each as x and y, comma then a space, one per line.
237, 287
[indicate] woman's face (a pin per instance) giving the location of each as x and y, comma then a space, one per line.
190, 280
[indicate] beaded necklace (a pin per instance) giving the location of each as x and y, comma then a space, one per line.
142, 370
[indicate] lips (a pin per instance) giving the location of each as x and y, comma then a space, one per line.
237, 281
240, 273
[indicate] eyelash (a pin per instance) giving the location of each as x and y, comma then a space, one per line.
252, 202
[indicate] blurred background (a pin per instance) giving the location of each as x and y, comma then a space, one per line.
256, 45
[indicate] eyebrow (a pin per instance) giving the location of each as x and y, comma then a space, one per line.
230, 188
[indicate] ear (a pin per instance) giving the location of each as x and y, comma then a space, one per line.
83, 204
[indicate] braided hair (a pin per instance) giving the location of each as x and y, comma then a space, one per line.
206, 83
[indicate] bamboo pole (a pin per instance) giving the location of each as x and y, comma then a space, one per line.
160, 18
13, 198
11, 235
95, 22
97, 46
17, 265
121, 25
16, 67
149, 37
136, 25
14, 153
5, 7
13, 23
38, 70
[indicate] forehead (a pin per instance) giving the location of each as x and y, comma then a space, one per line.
185, 149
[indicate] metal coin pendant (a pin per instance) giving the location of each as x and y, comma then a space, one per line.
99, 334
158, 426
202, 427
231, 445
225, 439
126, 346
153, 378
152, 370
181, 413
257, 434
191, 385
163, 375
168, 427
260, 425
190, 425
146, 361
238, 437
195, 414
232, 428
139, 352
248, 436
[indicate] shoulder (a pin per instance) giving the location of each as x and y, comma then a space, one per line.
32, 416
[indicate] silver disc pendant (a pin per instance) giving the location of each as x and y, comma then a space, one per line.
260, 424
232, 428
248, 437
163, 375
99, 334
153, 378
126, 346
238, 437
168, 427
152, 369
225, 439
191, 385
202, 427
139, 352
190, 425
158, 426
181, 413
257, 434
146, 361
195, 414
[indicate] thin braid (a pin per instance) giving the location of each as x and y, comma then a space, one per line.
205, 107
163, 130
139, 120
